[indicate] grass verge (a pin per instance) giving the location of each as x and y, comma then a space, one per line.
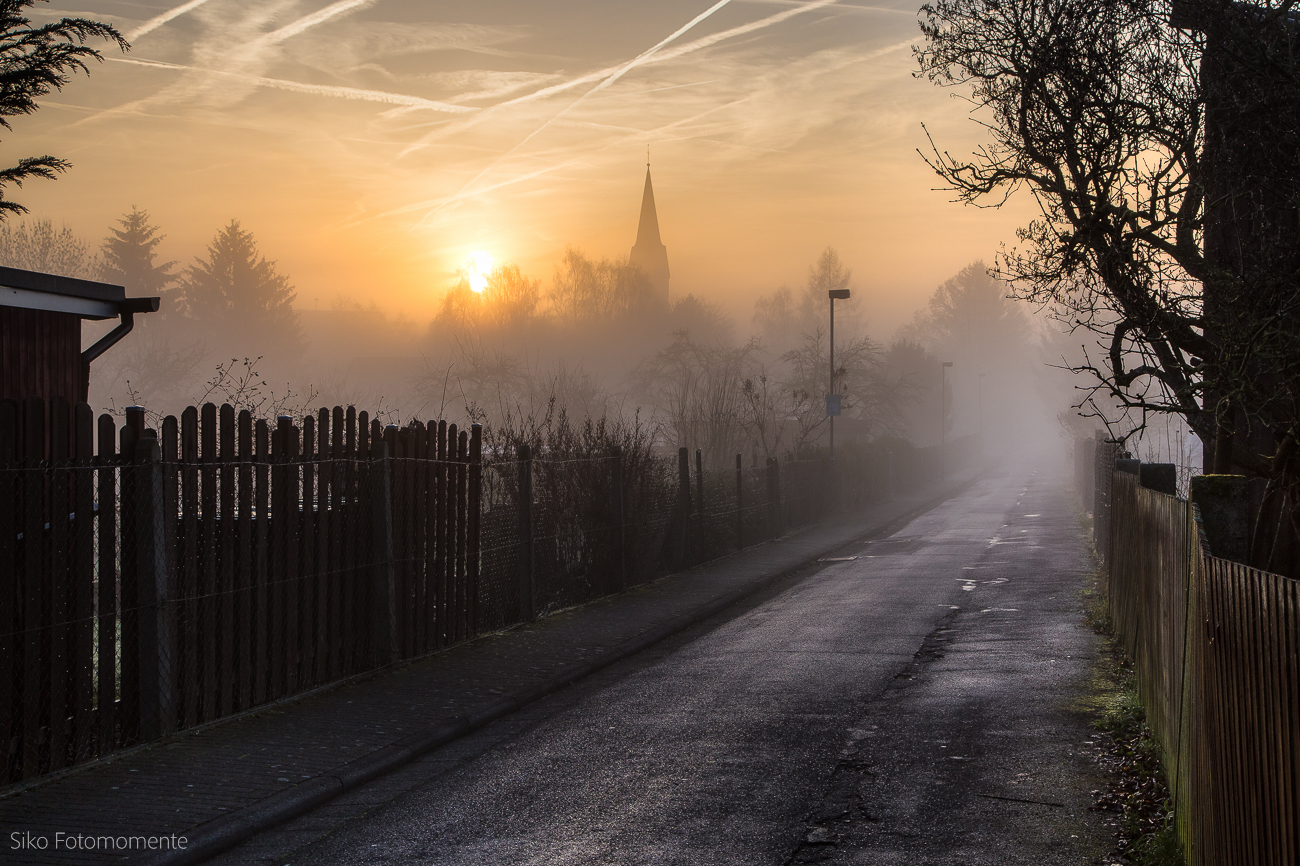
1138, 795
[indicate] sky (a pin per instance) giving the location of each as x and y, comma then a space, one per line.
373, 146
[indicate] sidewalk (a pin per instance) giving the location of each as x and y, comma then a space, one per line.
218, 785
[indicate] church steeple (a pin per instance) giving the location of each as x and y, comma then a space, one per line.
649, 252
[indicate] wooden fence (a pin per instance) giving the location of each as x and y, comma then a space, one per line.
155, 580
1216, 648
164, 579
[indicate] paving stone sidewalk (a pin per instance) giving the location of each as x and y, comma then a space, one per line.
218, 785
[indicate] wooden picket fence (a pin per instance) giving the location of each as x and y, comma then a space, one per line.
164, 579
1216, 648
157, 580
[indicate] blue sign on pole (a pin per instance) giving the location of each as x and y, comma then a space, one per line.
832, 404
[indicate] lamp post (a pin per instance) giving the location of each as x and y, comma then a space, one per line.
833, 398
981, 399
943, 420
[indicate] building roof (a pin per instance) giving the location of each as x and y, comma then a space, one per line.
33, 290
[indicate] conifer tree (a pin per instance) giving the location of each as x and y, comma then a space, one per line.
238, 292
129, 256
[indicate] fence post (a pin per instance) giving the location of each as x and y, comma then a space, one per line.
616, 470
472, 524
383, 647
129, 599
776, 496
527, 609
1160, 477
699, 503
683, 506
740, 503
1224, 503
889, 469
156, 635
831, 482
1103, 465
773, 497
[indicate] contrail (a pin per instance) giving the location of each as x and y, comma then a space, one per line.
706, 41
605, 82
650, 55
601, 74
159, 20
275, 37
624, 70
317, 89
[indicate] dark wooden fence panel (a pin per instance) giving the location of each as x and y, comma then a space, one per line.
1216, 648
266, 536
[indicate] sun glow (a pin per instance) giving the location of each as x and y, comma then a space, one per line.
477, 268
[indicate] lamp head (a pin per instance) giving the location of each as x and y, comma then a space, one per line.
947, 363
839, 294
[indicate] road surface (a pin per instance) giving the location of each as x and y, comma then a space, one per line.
921, 700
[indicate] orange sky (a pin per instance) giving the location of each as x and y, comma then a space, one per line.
372, 145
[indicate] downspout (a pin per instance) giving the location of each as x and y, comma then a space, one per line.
128, 309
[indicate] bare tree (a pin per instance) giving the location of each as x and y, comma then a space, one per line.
782, 318
36, 245
697, 389
1164, 163
766, 414
587, 290
856, 366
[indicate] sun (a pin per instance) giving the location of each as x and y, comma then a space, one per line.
477, 267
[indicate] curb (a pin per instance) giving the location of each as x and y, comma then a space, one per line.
214, 837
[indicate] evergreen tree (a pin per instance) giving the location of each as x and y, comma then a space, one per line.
241, 295
129, 256
36, 61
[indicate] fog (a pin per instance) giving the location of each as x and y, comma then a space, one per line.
429, 214
592, 338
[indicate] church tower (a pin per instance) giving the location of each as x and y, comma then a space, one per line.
649, 252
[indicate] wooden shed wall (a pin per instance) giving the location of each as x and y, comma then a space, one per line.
40, 354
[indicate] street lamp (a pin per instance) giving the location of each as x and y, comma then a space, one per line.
943, 420
981, 399
833, 398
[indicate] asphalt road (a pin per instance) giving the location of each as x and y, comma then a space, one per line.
923, 702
